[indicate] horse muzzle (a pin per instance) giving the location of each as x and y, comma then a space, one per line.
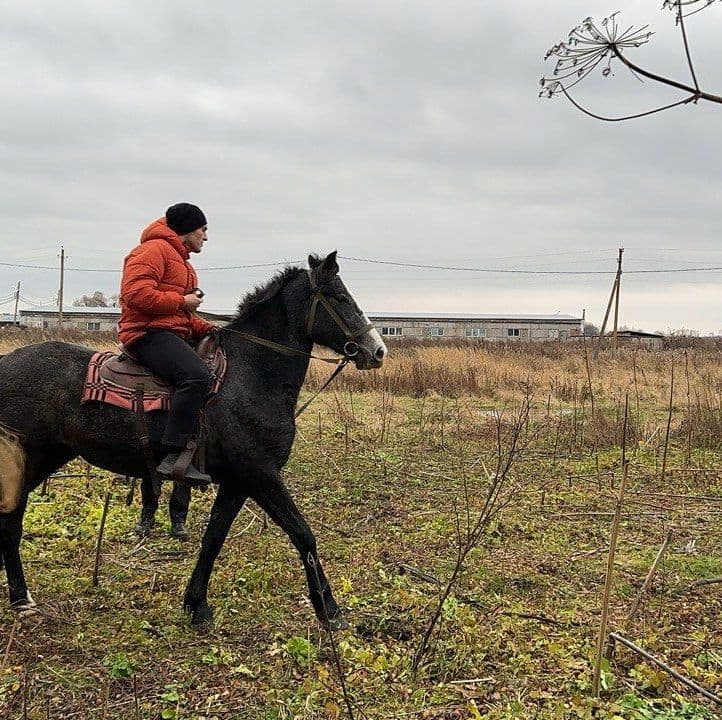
370, 351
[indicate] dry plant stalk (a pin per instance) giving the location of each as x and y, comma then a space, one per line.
9, 644
99, 542
688, 448
652, 570
334, 649
494, 502
656, 661
669, 424
601, 640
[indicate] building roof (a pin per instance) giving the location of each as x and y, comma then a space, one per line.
110, 311
634, 333
471, 316
115, 312
70, 310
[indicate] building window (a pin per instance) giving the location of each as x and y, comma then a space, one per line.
436, 331
93, 325
392, 331
513, 332
475, 332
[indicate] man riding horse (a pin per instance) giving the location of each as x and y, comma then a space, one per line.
46, 419
158, 296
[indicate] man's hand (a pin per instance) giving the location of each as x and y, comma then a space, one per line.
191, 301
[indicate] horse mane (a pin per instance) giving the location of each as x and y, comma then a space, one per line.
263, 293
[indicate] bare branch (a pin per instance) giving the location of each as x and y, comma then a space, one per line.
590, 44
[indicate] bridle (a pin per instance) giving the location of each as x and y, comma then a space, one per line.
350, 348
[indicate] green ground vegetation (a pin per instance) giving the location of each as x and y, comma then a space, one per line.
390, 485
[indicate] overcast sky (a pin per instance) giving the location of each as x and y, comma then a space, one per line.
403, 131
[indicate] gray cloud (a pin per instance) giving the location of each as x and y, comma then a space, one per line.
398, 130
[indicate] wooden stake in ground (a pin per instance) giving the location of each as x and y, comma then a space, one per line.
601, 640
589, 376
98, 545
652, 570
669, 424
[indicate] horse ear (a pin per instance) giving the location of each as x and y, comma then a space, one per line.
314, 261
329, 267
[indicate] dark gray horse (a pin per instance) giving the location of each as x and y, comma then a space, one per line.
250, 422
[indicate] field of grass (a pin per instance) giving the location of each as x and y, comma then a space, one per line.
392, 471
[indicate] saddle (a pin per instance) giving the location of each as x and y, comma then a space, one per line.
114, 378
122, 381
124, 370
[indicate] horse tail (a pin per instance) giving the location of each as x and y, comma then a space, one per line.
12, 469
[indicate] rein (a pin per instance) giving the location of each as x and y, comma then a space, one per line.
350, 349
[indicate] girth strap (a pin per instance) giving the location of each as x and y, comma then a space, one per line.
142, 430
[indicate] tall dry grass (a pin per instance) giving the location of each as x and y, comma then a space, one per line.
12, 338
584, 397
496, 372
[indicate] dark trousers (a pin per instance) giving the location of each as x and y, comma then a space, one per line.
169, 356
177, 506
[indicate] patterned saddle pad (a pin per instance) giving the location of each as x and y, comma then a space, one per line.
113, 378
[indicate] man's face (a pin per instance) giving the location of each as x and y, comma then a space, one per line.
194, 240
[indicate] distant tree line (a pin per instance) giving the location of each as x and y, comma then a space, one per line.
96, 299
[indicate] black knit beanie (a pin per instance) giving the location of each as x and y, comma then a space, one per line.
184, 218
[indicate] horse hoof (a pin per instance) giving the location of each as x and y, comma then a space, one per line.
335, 624
202, 615
25, 607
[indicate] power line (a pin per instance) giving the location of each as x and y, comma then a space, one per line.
255, 265
526, 272
117, 272
394, 263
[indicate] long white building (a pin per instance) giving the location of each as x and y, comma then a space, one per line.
475, 326
448, 326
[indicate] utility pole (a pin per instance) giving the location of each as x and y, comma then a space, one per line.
62, 281
614, 295
616, 298
17, 300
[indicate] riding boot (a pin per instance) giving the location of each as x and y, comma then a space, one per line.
146, 523
192, 475
179, 531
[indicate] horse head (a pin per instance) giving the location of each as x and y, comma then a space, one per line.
334, 320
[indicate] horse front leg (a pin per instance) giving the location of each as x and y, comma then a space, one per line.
275, 499
226, 507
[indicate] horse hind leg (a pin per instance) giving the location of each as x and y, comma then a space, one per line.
19, 474
12, 471
11, 530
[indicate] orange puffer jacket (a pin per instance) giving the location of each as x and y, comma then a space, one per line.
156, 276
